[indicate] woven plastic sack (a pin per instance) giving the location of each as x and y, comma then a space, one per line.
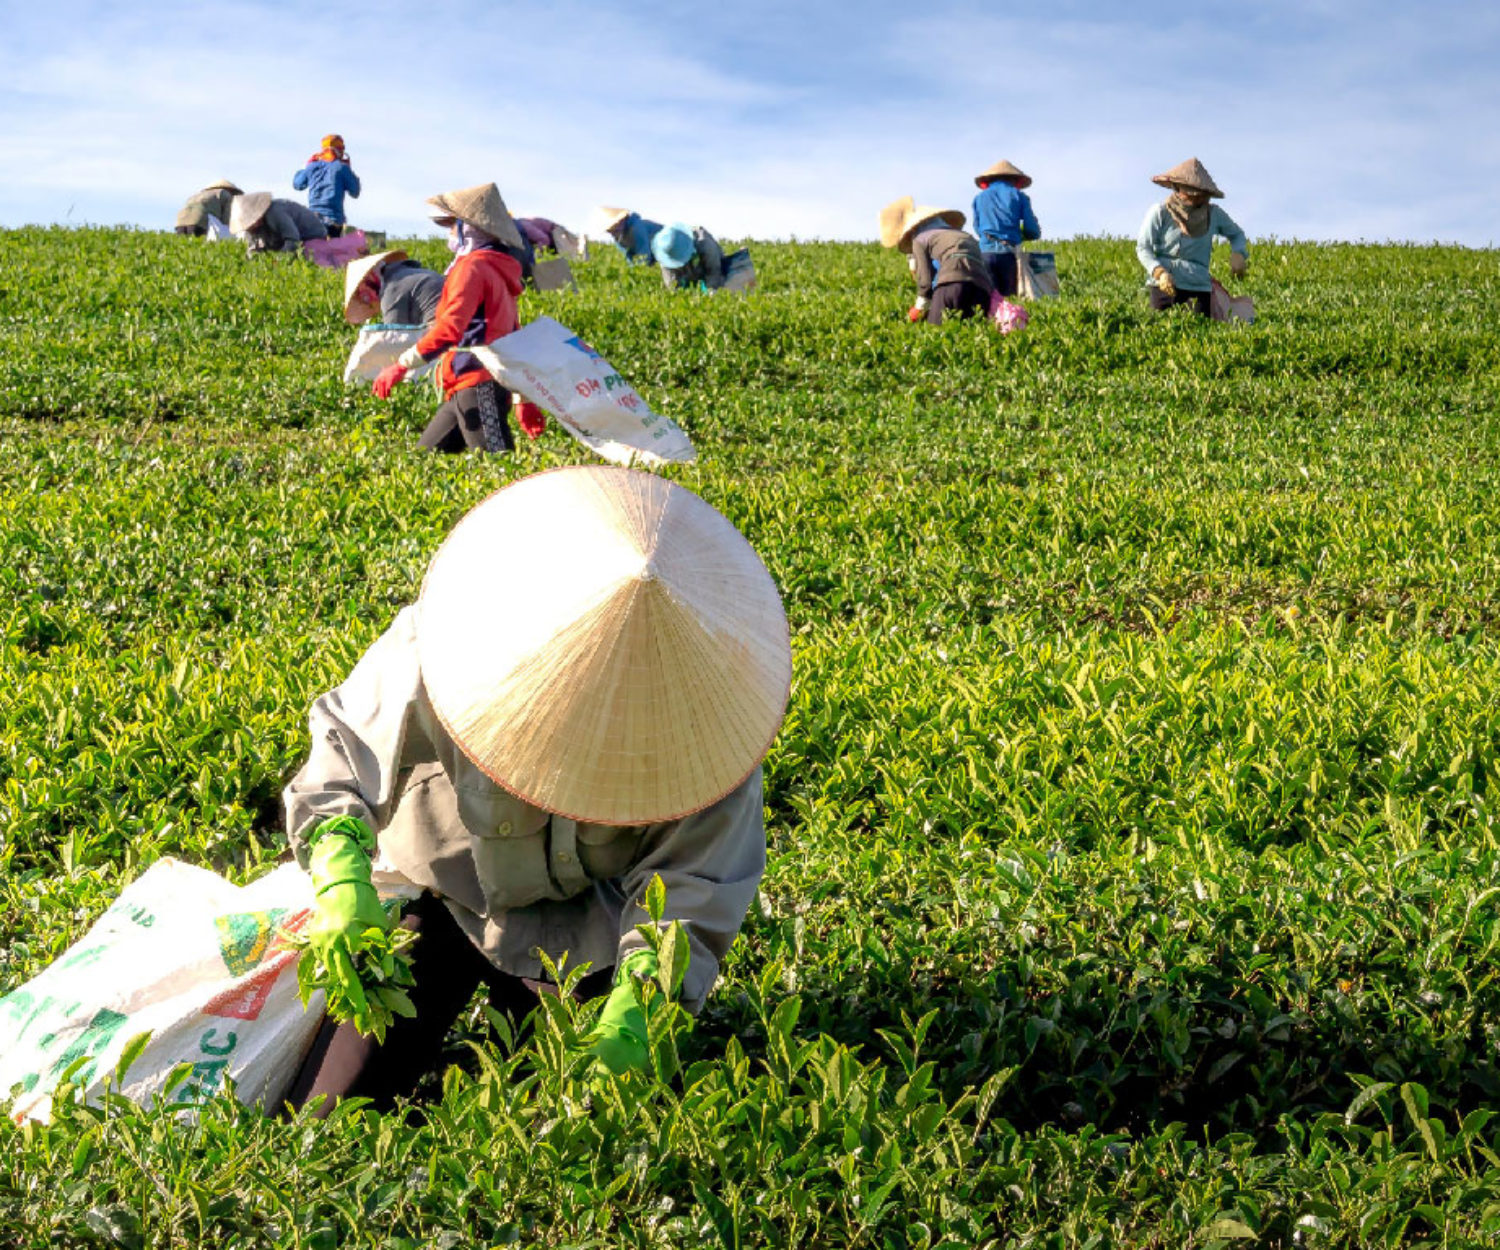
1222, 306
1036, 275
739, 271
378, 345
551, 366
188, 958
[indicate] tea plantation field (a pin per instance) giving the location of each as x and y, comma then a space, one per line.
1135, 832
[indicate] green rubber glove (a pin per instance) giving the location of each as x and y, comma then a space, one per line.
620, 1041
347, 904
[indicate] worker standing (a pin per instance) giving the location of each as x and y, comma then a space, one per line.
477, 306
1003, 220
327, 178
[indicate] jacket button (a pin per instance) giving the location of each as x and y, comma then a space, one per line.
565, 856
503, 828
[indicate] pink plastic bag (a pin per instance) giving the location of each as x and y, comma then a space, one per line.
1007, 316
336, 253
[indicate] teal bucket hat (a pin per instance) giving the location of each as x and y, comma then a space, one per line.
673, 247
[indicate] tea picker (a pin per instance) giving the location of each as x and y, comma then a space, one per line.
272, 225
208, 211
393, 285
951, 277
689, 257
556, 722
477, 305
1177, 237
327, 178
1003, 220
632, 233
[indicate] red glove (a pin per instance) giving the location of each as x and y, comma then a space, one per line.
532, 419
388, 380
916, 314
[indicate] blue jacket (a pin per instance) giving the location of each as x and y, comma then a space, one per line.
638, 234
326, 183
1002, 215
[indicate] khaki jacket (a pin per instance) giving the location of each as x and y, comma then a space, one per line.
195, 212
514, 876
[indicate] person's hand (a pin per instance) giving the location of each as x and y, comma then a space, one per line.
1163, 281
530, 418
620, 1043
387, 381
347, 904
915, 314
1238, 263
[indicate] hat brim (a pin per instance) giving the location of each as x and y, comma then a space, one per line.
950, 217
1176, 184
356, 273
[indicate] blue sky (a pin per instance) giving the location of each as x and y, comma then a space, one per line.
1323, 119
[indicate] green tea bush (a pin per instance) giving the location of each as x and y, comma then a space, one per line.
1134, 875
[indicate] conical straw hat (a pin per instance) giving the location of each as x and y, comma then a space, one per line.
920, 216
247, 210
356, 271
1189, 174
892, 218
605, 645
1004, 169
612, 217
223, 184
480, 206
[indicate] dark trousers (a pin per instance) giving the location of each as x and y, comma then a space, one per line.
959, 300
476, 416
193, 230
448, 968
1161, 301
335, 228
1003, 271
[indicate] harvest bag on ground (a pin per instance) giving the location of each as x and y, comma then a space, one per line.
548, 364
189, 958
739, 271
1036, 275
1222, 306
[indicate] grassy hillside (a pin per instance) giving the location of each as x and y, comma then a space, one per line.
1134, 869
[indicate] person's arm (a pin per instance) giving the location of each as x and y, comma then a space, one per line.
1030, 227
1226, 228
351, 180
358, 732
299, 179
711, 864
1149, 240
712, 256
923, 271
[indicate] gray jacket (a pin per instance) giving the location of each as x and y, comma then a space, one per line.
517, 878
706, 266
954, 254
409, 293
283, 228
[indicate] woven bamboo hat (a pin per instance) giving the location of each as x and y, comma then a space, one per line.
612, 217
356, 271
223, 184
247, 210
1192, 175
892, 218
479, 206
1003, 169
920, 216
627, 663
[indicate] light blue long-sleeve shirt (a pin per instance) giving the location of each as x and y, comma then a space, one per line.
1163, 242
1003, 217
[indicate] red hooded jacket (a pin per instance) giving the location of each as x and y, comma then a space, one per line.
477, 306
